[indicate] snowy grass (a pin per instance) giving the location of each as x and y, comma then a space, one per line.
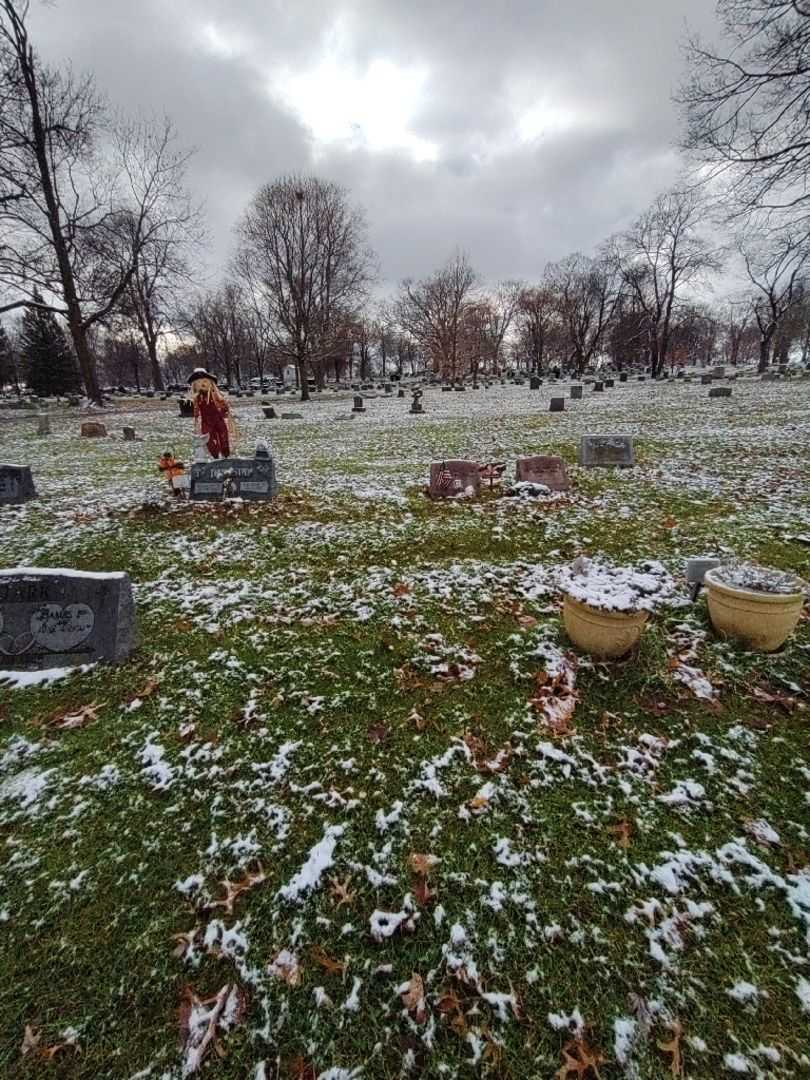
352, 792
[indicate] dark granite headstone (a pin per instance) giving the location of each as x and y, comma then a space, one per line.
16, 485
543, 469
358, 404
535, 382
448, 478
401, 392
720, 391
706, 380
251, 479
606, 450
598, 387
186, 408
623, 376
608, 384
62, 618
557, 404
576, 393
291, 416
269, 412
417, 408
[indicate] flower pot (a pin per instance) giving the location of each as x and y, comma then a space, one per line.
760, 619
604, 634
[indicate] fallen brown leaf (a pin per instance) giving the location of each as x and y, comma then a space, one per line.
580, 1059
673, 1047
623, 831
422, 864
341, 892
87, 714
414, 998
234, 889
328, 963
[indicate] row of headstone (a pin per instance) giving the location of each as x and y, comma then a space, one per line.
461, 477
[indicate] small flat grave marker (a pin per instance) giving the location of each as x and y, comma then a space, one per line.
62, 618
16, 485
543, 469
609, 451
448, 478
292, 416
720, 392
252, 479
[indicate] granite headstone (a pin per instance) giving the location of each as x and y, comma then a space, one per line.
63, 618
251, 479
612, 451
449, 478
16, 485
543, 469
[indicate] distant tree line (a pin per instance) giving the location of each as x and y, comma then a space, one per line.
100, 240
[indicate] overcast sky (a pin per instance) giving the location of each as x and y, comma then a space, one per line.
519, 131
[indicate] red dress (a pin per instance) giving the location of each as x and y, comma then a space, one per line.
213, 423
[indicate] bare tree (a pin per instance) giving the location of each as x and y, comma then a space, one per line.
658, 256
775, 264
431, 311
747, 105
586, 292
219, 322
302, 248
536, 312
80, 194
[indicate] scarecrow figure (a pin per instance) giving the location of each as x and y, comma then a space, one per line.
212, 413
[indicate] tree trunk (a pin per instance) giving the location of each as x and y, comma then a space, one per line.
78, 335
764, 353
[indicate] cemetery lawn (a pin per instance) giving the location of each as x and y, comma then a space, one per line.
354, 808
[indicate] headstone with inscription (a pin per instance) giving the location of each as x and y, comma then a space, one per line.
16, 485
611, 451
63, 618
547, 469
452, 478
251, 479
93, 429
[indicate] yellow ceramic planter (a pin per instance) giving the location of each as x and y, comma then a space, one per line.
604, 634
759, 619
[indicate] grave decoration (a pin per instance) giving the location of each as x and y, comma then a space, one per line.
608, 451
212, 413
557, 404
16, 485
546, 469
174, 471
63, 618
93, 429
493, 472
251, 479
450, 479
754, 604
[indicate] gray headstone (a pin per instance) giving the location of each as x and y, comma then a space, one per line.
449, 478
557, 404
543, 469
606, 450
358, 404
598, 387
16, 485
43, 425
720, 391
706, 380
291, 416
576, 393
62, 618
251, 479
535, 382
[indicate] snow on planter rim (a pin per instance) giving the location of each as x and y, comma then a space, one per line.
761, 579
621, 588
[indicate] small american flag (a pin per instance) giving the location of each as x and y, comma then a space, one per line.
445, 481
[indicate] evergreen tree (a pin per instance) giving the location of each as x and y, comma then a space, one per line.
47, 359
6, 359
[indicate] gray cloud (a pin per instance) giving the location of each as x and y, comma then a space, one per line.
604, 72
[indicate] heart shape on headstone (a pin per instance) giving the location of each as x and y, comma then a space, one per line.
61, 629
